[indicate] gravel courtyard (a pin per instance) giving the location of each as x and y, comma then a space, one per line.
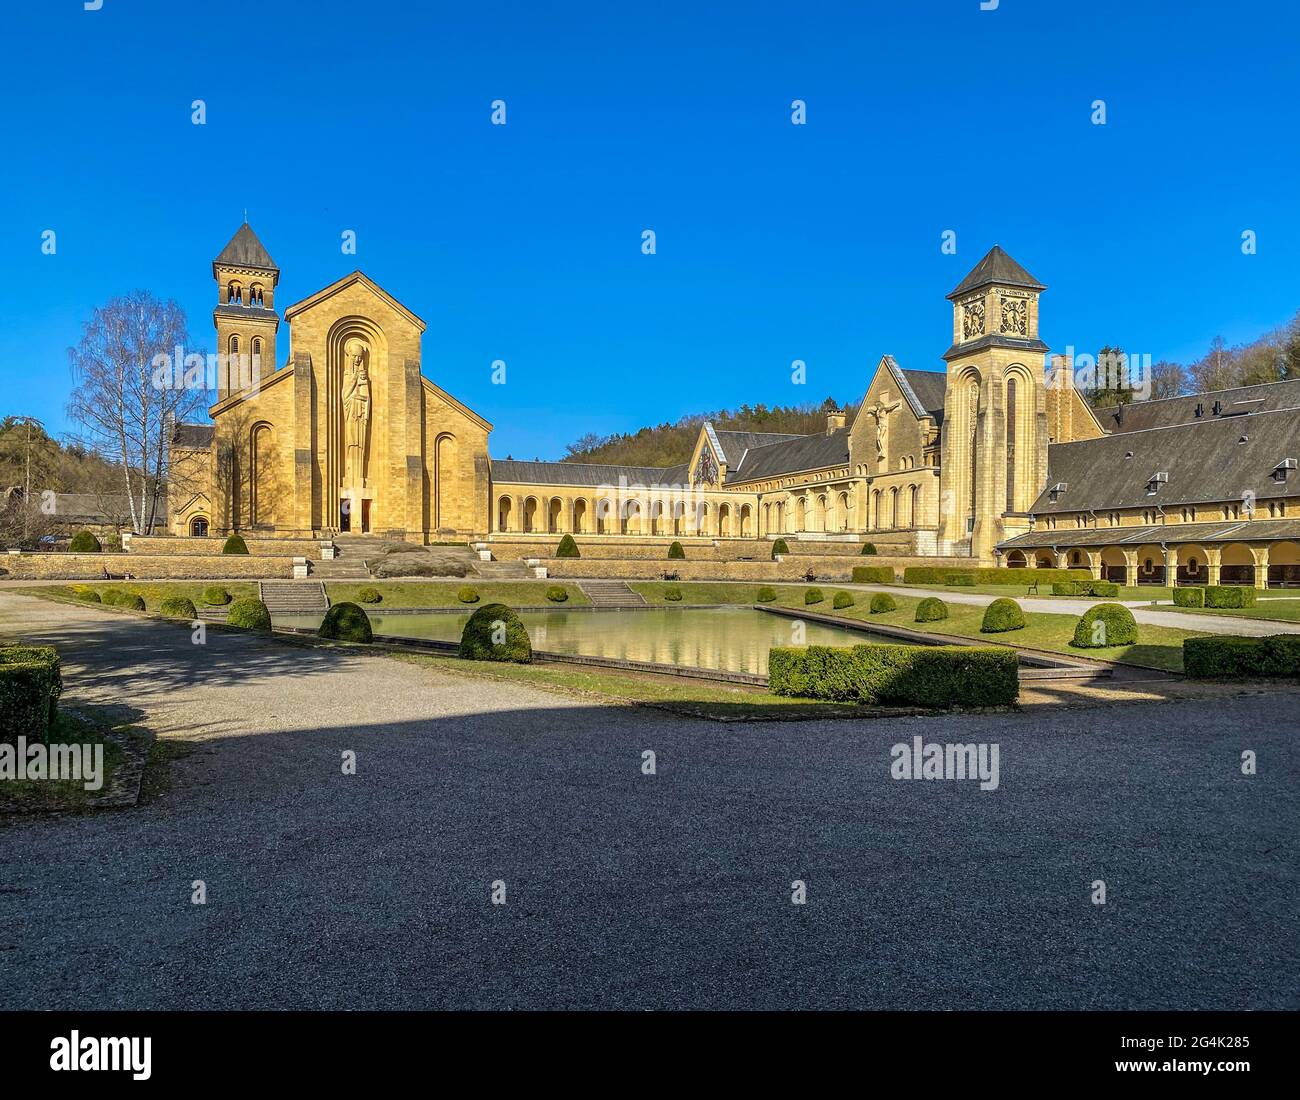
624, 890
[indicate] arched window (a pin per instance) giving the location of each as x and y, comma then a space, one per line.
255, 294
234, 292
199, 527
234, 345
257, 350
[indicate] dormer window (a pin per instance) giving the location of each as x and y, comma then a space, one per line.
1054, 493
1161, 477
1282, 470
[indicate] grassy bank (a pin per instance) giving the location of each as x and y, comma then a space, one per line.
1280, 608
399, 594
152, 592
46, 795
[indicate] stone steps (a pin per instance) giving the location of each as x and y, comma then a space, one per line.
611, 594
503, 570
293, 597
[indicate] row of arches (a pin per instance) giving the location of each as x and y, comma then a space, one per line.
1274, 565
235, 294
895, 508
602, 516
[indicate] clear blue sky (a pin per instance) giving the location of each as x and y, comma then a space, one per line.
775, 242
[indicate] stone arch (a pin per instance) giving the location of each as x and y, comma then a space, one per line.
1114, 565
198, 527
444, 463
505, 508
554, 515
340, 332
966, 423
261, 476
893, 508
530, 515
724, 520
1016, 559
1284, 564
580, 516
1236, 564
800, 514
1150, 565
819, 512
842, 511
746, 521
1019, 405
604, 512
1192, 564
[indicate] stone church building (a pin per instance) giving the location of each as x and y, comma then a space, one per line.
997, 457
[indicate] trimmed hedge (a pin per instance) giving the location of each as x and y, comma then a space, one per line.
1117, 620
490, 624
1229, 595
178, 607
215, 596
346, 622
128, 601
84, 542
1069, 588
930, 574
882, 602
931, 610
766, 595
1105, 589
868, 548
673, 594
249, 614
929, 676
557, 593
1189, 597
235, 545
567, 548
1222, 657
82, 592
780, 547
842, 599
812, 596
873, 574
31, 682
467, 594
676, 553
1001, 615
965, 580
370, 594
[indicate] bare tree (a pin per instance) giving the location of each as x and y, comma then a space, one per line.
127, 408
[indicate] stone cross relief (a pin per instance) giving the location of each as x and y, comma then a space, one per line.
879, 412
356, 411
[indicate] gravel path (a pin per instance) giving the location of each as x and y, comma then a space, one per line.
633, 891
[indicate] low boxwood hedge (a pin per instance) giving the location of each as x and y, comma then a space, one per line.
1189, 597
673, 594
931, 610
841, 600
929, 676
936, 574
766, 595
868, 548
249, 613
83, 592
882, 602
812, 596
1225, 657
215, 596
1229, 595
557, 593
873, 574
31, 682
965, 580
370, 594
567, 548
178, 607
1107, 624
676, 553
466, 594
1069, 588
1001, 616
235, 544
346, 622
780, 546
495, 633
120, 597
1105, 589
84, 542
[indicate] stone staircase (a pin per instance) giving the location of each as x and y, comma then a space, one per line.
349, 562
293, 597
611, 594
514, 570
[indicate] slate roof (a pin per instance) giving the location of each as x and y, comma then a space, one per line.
1139, 415
735, 444
805, 452
1206, 461
196, 437
929, 388
996, 267
517, 471
1236, 530
245, 250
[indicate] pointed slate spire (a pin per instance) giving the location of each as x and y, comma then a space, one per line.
245, 250
996, 267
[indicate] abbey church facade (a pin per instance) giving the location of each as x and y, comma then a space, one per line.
996, 458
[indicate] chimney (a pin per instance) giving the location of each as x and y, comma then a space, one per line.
834, 421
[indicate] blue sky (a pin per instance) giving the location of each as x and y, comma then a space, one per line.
775, 242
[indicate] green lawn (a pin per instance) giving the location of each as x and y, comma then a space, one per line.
1017, 591
1287, 610
153, 592
711, 592
36, 795
414, 593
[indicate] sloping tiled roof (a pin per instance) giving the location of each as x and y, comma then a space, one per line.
930, 387
196, 437
521, 472
807, 452
1236, 530
735, 444
996, 267
245, 250
1139, 415
1217, 460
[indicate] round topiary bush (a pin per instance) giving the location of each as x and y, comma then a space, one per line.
1107, 624
567, 548
369, 594
676, 553
813, 595
178, 607
557, 593
673, 594
868, 548
249, 614
83, 542
215, 596
766, 595
931, 610
1002, 615
780, 547
842, 599
111, 596
235, 545
89, 595
129, 601
882, 602
495, 633
346, 622
467, 595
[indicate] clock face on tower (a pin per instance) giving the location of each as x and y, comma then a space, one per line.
1015, 316
972, 319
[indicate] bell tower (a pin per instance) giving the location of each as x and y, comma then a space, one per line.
995, 432
245, 315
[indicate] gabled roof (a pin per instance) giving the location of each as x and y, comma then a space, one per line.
996, 267
1164, 412
196, 437
1220, 460
245, 250
734, 444
345, 282
805, 452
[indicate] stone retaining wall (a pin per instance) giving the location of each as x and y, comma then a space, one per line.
211, 547
155, 567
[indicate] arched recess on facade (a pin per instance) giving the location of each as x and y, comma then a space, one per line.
746, 521
530, 515
1016, 560
873, 519
966, 423
505, 508
1114, 566
913, 505
261, 476
724, 520
554, 515
605, 520
1192, 564
679, 518
630, 521
819, 512
801, 514
1044, 559
580, 516
444, 476
842, 511
1284, 564
1236, 564
1019, 404
340, 332
894, 515
1150, 565
198, 527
